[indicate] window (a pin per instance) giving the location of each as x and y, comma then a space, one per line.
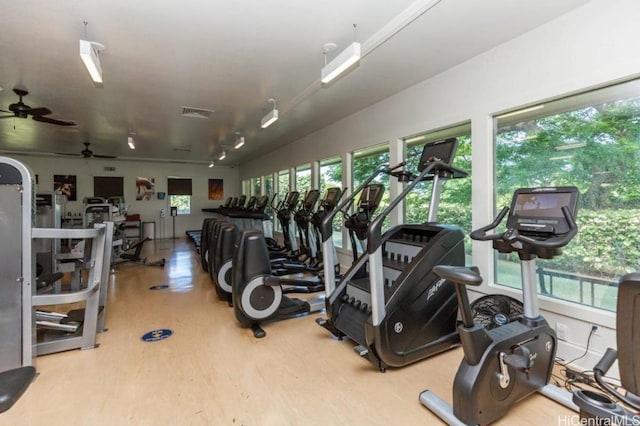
455, 199
331, 176
303, 179
591, 141
365, 163
268, 184
179, 191
257, 186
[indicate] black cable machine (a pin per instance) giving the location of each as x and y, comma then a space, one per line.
389, 301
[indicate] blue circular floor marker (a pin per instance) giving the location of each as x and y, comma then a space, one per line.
159, 287
155, 335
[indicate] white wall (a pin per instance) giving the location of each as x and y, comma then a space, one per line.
590, 47
86, 169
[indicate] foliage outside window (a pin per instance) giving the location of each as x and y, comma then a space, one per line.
268, 184
257, 186
179, 191
591, 141
303, 179
330, 177
365, 163
455, 199
182, 202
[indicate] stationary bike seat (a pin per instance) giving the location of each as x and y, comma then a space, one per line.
459, 274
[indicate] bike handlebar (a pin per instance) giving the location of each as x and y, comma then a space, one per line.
512, 234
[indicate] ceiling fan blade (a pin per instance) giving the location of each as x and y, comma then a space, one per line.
67, 154
8, 116
4, 110
39, 111
53, 121
104, 156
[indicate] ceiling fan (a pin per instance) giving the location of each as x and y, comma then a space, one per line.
87, 153
22, 110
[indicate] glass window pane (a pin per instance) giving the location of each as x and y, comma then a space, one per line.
182, 202
455, 199
591, 141
303, 179
257, 186
365, 163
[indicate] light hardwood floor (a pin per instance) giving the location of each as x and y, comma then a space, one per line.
212, 372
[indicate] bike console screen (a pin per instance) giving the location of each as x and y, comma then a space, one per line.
443, 150
538, 211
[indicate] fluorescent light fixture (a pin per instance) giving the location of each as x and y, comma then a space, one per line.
239, 142
223, 156
211, 164
271, 117
415, 139
521, 111
89, 54
131, 142
340, 63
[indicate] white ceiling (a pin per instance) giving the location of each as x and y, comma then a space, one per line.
229, 56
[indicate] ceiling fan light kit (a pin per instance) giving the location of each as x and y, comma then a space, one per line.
89, 55
347, 58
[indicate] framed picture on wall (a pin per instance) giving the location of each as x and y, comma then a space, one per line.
216, 189
66, 185
145, 188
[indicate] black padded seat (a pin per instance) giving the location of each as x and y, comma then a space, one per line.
13, 383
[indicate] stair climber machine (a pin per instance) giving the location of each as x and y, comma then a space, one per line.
504, 365
602, 409
390, 302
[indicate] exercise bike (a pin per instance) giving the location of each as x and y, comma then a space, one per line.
506, 364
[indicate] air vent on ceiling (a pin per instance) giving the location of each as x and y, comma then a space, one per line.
182, 149
196, 112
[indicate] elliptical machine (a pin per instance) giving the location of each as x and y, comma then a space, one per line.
503, 365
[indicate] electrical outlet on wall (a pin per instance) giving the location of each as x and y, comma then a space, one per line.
562, 331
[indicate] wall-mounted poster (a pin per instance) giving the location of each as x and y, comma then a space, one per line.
216, 189
66, 185
145, 188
